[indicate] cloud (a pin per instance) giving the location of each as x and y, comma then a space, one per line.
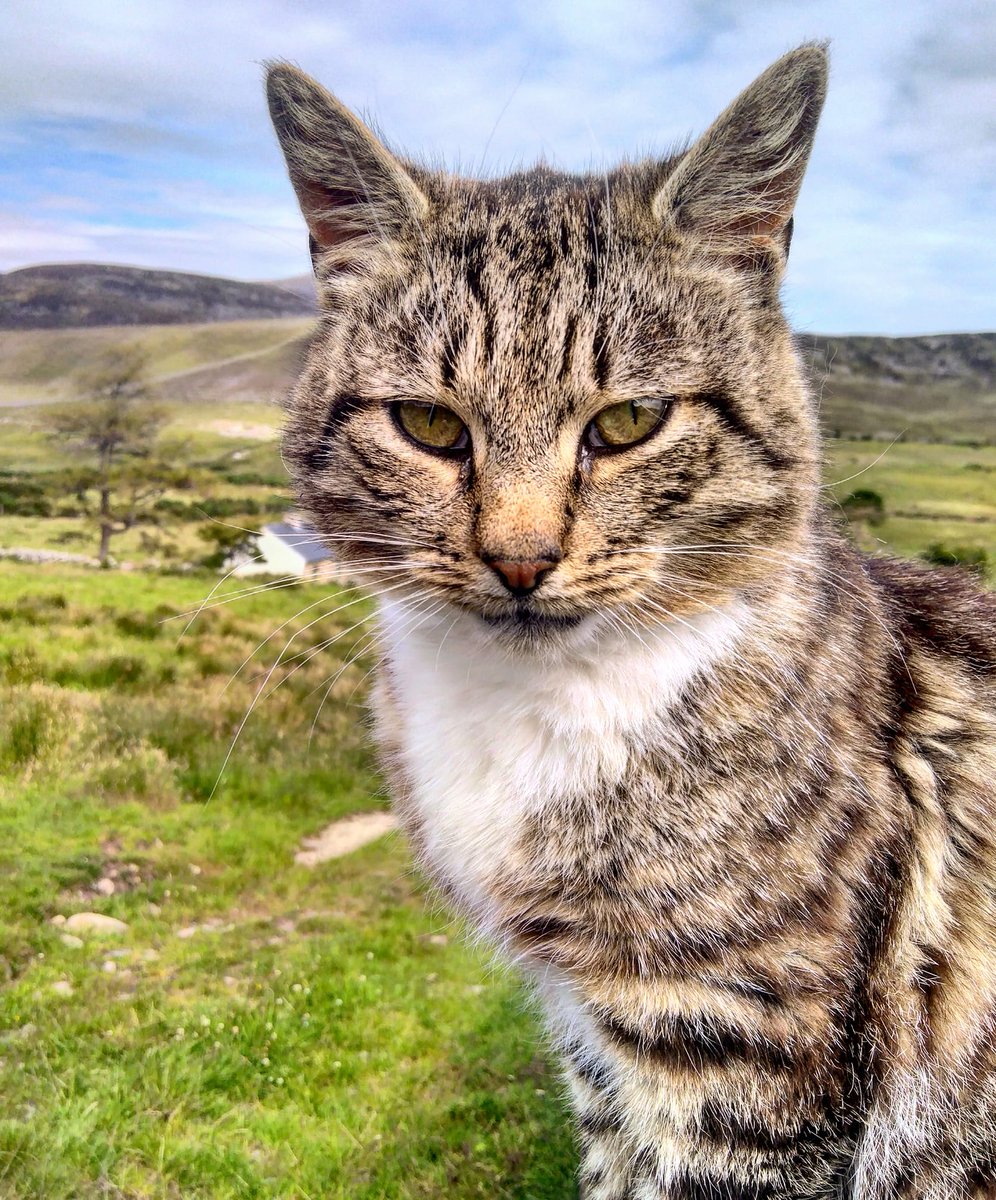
150, 118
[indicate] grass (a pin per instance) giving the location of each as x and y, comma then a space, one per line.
260, 1029
932, 493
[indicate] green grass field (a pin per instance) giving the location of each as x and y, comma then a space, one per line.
260, 1029
932, 493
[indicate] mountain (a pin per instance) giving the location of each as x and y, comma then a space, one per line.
934, 388
298, 285
80, 295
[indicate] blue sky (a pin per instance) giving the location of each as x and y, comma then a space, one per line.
136, 132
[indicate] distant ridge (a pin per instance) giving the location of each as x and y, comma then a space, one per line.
935, 387
299, 285
80, 295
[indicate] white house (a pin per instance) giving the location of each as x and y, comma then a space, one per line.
291, 547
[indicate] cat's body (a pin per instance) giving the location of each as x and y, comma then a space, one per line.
724, 787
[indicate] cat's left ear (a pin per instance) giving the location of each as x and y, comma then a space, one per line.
355, 195
735, 189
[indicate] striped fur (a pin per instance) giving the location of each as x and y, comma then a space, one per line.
721, 785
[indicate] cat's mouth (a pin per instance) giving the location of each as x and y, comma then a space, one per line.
527, 620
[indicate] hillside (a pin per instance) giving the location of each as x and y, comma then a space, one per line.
81, 295
937, 388
245, 360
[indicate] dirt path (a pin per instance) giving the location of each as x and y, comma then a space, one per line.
345, 836
232, 360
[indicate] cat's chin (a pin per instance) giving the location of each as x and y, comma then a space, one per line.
528, 622
530, 631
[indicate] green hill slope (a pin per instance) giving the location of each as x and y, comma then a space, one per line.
245, 360
938, 388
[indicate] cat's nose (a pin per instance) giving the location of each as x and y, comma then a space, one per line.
522, 576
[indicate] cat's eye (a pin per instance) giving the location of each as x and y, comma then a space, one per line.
432, 426
625, 424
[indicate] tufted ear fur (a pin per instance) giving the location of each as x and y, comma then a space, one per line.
351, 189
737, 185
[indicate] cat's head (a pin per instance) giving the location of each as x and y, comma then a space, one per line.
555, 400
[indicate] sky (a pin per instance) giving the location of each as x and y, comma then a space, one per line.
136, 132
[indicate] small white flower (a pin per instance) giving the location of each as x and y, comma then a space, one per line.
265, 1062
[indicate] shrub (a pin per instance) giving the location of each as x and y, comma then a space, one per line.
972, 558
138, 624
864, 504
27, 729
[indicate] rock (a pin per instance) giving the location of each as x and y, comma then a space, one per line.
109, 966
97, 923
343, 837
62, 987
105, 886
21, 1033
438, 939
188, 931
71, 940
58, 919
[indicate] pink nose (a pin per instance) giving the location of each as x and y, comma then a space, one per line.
521, 577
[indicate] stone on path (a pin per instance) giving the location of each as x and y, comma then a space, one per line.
91, 922
345, 836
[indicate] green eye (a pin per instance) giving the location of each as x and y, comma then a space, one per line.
432, 426
627, 423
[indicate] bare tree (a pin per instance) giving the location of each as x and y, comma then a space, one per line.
114, 429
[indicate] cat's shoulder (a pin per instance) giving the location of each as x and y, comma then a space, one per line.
944, 609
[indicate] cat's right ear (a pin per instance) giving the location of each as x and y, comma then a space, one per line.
735, 189
353, 192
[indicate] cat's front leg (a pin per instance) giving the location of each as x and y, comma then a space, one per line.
634, 1145
604, 1151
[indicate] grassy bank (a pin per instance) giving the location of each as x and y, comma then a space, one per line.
259, 1029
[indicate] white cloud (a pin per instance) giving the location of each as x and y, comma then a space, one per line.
895, 218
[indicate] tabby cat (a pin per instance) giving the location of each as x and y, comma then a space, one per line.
723, 786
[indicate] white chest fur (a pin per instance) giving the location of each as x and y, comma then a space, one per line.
488, 738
